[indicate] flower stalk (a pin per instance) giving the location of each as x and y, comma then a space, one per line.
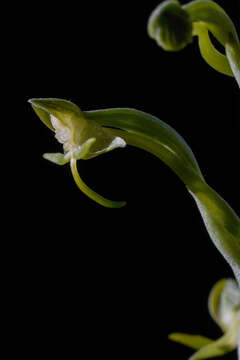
151, 134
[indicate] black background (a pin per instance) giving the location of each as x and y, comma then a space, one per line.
116, 282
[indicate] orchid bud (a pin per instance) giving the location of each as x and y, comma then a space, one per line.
170, 26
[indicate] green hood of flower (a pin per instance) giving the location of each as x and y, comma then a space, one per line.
74, 131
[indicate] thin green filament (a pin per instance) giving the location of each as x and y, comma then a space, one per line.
89, 192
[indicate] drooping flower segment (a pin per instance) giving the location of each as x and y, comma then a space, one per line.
173, 27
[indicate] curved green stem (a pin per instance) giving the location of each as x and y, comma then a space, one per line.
221, 221
209, 53
214, 18
233, 55
154, 131
148, 133
211, 16
187, 175
89, 192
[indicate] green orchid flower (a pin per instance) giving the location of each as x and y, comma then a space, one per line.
224, 307
173, 27
85, 135
91, 133
81, 139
